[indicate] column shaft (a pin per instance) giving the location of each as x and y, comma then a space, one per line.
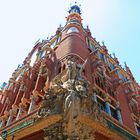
107, 108
94, 97
119, 117
10, 118
32, 104
19, 113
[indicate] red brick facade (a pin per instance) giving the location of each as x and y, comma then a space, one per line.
112, 87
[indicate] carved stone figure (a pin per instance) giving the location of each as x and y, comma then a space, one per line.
42, 82
70, 91
47, 49
47, 105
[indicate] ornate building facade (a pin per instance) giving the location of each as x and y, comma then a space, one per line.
70, 88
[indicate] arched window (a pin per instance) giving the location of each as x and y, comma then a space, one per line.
59, 69
43, 54
33, 58
73, 29
64, 67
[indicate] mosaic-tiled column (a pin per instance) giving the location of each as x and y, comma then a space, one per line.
94, 97
10, 117
19, 112
107, 105
119, 116
34, 98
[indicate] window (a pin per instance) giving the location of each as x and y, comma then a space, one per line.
137, 128
43, 53
114, 113
59, 69
110, 91
111, 66
73, 21
91, 46
73, 29
53, 44
101, 104
33, 58
58, 39
121, 76
99, 82
64, 67
103, 57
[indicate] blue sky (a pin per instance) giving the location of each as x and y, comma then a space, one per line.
23, 22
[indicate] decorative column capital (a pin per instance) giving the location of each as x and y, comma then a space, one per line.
5, 116
117, 105
24, 102
46, 87
22, 86
11, 112
14, 109
107, 99
20, 105
35, 93
14, 106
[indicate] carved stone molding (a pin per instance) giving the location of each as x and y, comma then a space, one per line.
59, 131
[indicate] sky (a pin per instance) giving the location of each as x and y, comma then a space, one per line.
23, 22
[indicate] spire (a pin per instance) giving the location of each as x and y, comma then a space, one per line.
75, 9
127, 68
125, 64
115, 58
128, 71
3, 85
